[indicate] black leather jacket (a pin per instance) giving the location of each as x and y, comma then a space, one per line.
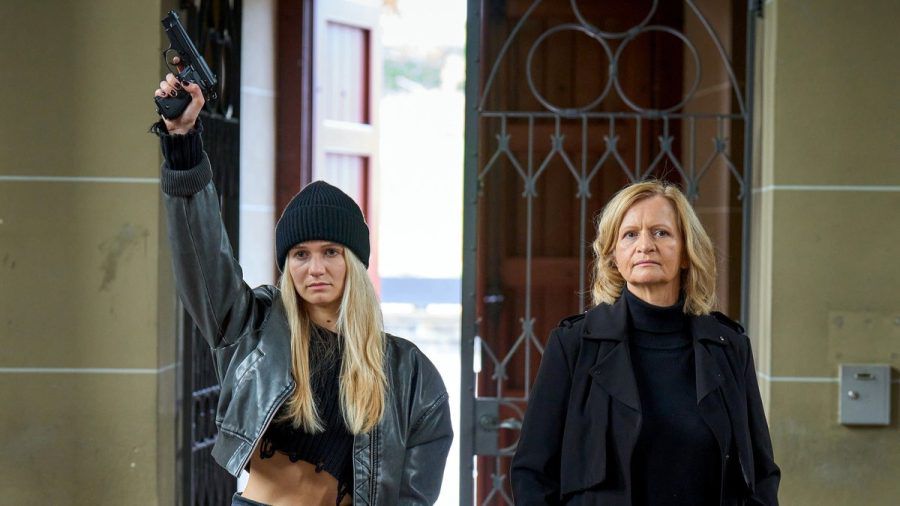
401, 461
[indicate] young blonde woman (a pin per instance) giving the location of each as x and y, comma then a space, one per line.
318, 403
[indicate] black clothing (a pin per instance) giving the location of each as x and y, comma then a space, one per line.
331, 450
181, 151
676, 457
584, 417
322, 212
400, 461
238, 500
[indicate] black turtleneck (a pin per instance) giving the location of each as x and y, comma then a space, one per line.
676, 461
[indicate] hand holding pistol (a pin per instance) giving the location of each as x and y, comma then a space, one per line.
181, 95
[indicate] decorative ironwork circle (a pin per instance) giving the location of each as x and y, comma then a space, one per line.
613, 35
546, 103
671, 31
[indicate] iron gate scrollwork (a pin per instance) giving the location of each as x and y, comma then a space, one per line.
525, 148
215, 26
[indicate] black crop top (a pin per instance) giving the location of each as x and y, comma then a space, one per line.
332, 449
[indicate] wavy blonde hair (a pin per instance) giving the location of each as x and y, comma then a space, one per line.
698, 281
363, 383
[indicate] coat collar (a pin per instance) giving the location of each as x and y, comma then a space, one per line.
613, 370
610, 322
606, 327
606, 321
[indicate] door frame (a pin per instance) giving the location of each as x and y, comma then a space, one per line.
474, 67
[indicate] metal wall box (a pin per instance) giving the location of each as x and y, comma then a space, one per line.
865, 394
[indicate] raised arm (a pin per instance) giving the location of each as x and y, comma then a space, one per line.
208, 279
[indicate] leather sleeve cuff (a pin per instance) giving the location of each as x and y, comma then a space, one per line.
184, 183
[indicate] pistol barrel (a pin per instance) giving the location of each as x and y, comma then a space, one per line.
187, 51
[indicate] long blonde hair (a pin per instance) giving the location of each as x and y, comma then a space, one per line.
362, 378
698, 281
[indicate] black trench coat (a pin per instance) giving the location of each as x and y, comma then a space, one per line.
584, 415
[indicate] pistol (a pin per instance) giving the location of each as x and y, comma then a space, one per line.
194, 69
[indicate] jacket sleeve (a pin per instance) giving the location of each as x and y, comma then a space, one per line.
426, 454
767, 473
535, 467
208, 279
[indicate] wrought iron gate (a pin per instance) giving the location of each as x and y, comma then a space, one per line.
215, 26
543, 155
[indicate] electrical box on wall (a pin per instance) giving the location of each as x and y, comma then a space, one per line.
865, 394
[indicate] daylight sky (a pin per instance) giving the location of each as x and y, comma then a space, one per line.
421, 149
425, 23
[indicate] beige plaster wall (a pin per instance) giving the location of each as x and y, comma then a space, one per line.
86, 306
825, 248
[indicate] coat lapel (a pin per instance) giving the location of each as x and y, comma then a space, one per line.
710, 378
613, 370
717, 398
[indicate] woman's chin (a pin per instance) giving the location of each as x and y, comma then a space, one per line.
650, 282
654, 283
320, 299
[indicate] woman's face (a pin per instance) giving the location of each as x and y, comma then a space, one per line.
318, 271
650, 248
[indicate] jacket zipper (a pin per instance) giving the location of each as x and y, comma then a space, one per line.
372, 475
269, 418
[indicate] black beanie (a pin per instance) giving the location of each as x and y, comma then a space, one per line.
322, 212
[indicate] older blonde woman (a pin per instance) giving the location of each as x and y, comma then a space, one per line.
650, 398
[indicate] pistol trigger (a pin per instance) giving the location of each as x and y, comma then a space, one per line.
165, 55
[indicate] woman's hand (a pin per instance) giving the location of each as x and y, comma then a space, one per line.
184, 123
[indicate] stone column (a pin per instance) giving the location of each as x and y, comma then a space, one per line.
825, 244
87, 374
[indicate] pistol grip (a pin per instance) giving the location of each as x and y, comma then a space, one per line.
172, 107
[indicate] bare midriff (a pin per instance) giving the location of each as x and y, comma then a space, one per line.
280, 482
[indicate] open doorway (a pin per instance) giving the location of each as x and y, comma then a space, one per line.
420, 186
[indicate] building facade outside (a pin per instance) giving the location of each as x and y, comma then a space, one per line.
88, 373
